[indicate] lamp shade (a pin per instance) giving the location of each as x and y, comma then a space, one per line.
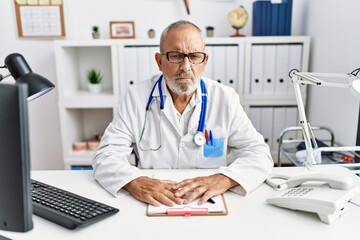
22, 73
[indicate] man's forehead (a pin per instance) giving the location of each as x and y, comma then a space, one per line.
184, 37
189, 29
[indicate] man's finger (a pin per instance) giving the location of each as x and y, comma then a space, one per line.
196, 193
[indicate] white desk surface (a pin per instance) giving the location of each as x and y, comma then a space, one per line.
249, 217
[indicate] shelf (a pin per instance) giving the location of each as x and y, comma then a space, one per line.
80, 155
84, 92
270, 100
80, 124
70, 163
73, 63
85, 99
124, 62
84, 159
277, 39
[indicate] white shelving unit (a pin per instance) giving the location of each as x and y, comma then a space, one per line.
268, 95
124, 62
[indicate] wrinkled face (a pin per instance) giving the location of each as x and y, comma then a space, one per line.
182, 78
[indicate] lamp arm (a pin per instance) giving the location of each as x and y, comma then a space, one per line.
311, 78
302, 78
2, 77
305, 125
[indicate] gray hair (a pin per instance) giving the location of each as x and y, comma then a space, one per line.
176, 25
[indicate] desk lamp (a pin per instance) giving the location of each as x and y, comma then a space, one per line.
313, 155
22, 73
15, 194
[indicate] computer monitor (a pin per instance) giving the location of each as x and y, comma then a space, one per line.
15, 192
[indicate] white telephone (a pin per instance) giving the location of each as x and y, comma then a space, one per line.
322, 193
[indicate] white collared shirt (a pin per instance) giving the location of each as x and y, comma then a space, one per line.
185, 116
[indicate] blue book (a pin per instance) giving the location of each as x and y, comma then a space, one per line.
274, 30
81, 167
282, 18
259, 20
262, 18
288, 17
256, 18
267, 28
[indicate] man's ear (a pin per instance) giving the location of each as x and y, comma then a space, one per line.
158, 58
206, 59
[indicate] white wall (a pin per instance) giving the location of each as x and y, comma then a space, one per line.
45, 148
80, 15
333, 27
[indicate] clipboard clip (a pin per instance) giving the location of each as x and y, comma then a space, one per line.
187, 211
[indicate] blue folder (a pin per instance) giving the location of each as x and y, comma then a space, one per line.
272, 19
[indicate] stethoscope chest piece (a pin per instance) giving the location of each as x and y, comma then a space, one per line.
199, 139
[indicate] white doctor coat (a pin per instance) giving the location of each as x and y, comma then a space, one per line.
237, 151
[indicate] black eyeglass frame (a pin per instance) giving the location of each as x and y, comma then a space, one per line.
184, 55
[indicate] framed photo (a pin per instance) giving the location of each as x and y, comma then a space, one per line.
122, 29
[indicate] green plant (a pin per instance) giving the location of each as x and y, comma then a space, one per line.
95, 28
209, 28
94, 76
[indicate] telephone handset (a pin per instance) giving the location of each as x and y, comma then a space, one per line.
339, 181
321, 193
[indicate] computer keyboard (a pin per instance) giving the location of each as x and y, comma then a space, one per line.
65, 208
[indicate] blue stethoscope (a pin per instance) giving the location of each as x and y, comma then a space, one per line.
199, 137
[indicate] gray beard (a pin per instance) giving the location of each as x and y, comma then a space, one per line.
181, 88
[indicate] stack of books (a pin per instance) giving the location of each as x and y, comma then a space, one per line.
272, 18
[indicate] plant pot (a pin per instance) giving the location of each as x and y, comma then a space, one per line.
151, 34
210, 33
96, 35
95, 88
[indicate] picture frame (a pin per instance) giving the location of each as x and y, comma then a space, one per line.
122, 29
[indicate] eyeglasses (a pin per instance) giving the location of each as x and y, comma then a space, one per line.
178, 57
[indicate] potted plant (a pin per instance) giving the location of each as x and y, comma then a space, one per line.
151, 33
94, 78
210, 31
95, 32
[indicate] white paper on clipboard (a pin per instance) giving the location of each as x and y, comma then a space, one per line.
219, 207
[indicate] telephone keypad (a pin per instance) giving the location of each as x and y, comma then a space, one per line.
297, 192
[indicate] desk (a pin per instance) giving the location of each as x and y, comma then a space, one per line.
249, 217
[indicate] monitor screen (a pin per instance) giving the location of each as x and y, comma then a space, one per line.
15, 193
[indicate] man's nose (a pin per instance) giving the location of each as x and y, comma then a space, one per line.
185, 65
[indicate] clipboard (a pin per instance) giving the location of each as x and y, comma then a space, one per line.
192, 209
218, 208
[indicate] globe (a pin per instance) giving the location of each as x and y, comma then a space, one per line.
238, 18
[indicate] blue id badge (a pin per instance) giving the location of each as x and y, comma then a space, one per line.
214, 149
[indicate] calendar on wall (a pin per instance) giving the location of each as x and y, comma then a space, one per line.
40, 18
